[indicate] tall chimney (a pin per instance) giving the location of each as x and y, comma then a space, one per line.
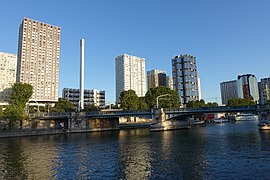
81, 105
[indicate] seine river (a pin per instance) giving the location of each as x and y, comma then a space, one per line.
216, 151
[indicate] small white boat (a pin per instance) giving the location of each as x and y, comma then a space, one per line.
246, 117
220, 120
197, 122
264, 125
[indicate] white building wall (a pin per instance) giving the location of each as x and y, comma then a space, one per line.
8, 68
39, 58
130, 75
169, 82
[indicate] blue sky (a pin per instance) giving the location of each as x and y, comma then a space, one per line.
228, 37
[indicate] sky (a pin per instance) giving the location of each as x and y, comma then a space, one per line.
228, 37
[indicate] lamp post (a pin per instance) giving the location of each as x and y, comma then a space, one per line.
163, 95
37, 106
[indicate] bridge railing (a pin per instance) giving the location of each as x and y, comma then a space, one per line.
51, 114
122, 112
215, 108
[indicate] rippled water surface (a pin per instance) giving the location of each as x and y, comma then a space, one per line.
228, 151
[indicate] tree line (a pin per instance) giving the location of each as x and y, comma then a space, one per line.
130, 101
22, 92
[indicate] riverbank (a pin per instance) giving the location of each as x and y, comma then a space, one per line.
41, 132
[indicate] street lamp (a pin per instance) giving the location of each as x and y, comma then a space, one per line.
160, 97
37, 106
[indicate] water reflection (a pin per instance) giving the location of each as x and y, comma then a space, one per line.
21, 161
12, 161
135, 154
230, 151
184, 149
265, 140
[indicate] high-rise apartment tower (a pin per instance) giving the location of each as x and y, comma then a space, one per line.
185, 78
228, 90
8, 66
130, 75
39, 58
156, 78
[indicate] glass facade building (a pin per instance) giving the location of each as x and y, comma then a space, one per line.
185, 78
156, 78
247, 87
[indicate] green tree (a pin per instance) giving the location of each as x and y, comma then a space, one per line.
91, 107
129, 100
142, 105
171, 101
201, 103
240, 102
212, 104
1, 112
63, 105
197, 103
21, 93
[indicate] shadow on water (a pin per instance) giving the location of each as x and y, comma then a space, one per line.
12, 161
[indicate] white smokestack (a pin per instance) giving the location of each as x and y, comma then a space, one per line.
81, 105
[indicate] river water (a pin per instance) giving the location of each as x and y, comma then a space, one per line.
217, 151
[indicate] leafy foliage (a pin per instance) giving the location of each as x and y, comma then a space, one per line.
142, 105
21, 93
201, 103
63, 105
91, 107
170, 101
15, 113
129, 100
240, 102
1, 112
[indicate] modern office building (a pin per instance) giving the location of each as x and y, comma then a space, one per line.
247, 87
228, 90
94, 96
185, 77
156, 78
8, 68
130, 75
169, 82
39, 58
264, 90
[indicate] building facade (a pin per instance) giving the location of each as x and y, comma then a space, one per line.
130, 75
39, 58
169, 82
8, 68
247, 87
95, 97
156, 78
228, 90
264, 90
185, 78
